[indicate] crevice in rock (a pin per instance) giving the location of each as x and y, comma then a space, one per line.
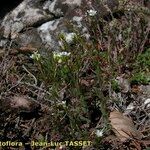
40, 22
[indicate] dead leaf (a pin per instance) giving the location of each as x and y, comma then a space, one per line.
136, 89
123, 127
84, 82
87, 82
19, 102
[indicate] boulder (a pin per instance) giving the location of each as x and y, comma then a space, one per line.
44, 20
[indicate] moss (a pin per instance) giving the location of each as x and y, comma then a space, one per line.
140, 78
115, 86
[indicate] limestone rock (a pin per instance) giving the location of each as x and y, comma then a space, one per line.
47, 19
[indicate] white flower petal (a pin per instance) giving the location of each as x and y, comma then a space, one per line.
91, 12
99, 133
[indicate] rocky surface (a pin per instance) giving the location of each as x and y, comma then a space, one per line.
46, 19
34, 22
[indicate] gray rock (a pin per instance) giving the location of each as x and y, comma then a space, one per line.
22, 17
48, 18
30, 39
124, 84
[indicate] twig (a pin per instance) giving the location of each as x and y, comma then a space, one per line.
35, 80
19, 81
36, 87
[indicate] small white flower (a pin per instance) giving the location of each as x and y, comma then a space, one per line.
120, 37
60, 55
91, 12
63, 102
36, 56
99, 133
129, 9
59, 60
69, 37
65, 53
